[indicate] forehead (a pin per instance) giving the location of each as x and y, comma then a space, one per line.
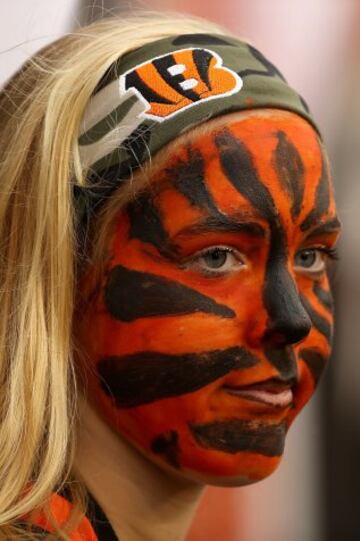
262, 131
246, 161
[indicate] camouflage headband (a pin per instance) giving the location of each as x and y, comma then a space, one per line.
153, 94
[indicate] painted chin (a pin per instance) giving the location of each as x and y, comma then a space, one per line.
205, 466
221, 453
214, 438
239, 452
216, 468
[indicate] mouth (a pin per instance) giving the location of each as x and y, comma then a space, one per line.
273, 392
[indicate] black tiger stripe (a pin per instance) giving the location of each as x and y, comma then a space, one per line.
202, 60
134, 80
325, 228
162, 65
322, 325
131, 294
237, 164
167, 444
322, 199
221, 223
188, 177
236, 435
290, 170
288, 321
324, 297
315, 361
140, 378
284, 361
146, 225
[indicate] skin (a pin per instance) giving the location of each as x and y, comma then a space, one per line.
216, 280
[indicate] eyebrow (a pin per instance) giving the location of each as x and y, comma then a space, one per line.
331, 226
222, 224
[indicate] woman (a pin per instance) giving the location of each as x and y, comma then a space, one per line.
166, 220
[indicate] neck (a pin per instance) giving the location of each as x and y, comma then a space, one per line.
141, 501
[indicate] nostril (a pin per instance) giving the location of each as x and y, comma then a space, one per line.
292, 331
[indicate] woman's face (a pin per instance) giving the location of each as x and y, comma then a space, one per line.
213, 319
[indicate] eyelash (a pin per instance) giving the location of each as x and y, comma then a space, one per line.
213, 273
330, 253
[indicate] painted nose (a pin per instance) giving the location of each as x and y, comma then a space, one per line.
288, 321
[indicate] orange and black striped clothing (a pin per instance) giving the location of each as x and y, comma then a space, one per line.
94, 527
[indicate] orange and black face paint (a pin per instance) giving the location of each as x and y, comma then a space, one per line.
183, 353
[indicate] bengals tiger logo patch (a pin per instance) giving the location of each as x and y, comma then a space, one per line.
170, 83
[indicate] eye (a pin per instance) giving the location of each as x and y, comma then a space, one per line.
312, 260
216, 260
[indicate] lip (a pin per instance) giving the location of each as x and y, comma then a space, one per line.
272, 392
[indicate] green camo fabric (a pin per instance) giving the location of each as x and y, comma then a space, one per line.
135, 137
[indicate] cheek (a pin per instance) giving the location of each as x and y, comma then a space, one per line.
314, 352
162, 428
170, 355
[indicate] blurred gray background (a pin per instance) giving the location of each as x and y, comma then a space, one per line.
316, 44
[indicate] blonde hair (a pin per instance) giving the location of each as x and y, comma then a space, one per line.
40, 113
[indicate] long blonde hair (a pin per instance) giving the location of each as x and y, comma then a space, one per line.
40, 113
